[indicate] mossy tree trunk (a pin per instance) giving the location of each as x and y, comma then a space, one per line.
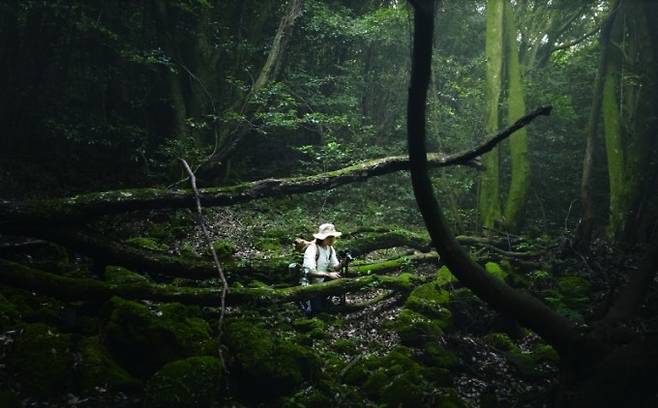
629, 120
584, 232
520, 182
504, 72
489, 192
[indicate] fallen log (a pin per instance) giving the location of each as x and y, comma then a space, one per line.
92, 290
77, 209
111, 252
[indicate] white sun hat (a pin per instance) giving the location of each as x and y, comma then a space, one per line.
327, 230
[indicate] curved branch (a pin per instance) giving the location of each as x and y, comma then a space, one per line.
557, 330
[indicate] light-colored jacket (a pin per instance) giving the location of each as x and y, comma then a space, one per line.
326, 260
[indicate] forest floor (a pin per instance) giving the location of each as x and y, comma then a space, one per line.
464, 352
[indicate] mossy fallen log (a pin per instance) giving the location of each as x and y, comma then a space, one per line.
78, 209
270, 270
23, 277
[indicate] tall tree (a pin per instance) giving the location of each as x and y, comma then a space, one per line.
504, 72
584, 232
629, 116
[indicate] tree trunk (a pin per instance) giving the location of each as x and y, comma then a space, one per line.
489, 190
558, 331
584, 232
629, 100
170, 77
520, 182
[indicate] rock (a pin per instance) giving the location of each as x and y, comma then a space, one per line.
41, 360
142, 341
272, 366
430, 300
416, 329
188, 383
98, 369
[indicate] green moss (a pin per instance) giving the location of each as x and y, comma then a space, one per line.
444, 276
448, 398
495, 270
545, 353
357, 374
188, 383
345, 346
187, 250
416, 329
575, 290
307, 325
429, 299
309, 398
268, 245
120, 275
9, 314
41, 361
142, 340
96, 368
223, 248
405, 390
500, 341
147, 243
273, 366
436, 356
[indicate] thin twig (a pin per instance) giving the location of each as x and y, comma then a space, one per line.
202, 223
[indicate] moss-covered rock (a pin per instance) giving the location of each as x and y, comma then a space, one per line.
143, 340
500, 341
495, 270
435, 355
9, 314
444, 276
543, 353
33, 307
429, 299
397, 379
41, 360
120, 275
147, 243
271, 365
416, 329
97, 368
307, 325
189, 383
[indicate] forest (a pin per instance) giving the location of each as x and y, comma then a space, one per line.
328, 203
